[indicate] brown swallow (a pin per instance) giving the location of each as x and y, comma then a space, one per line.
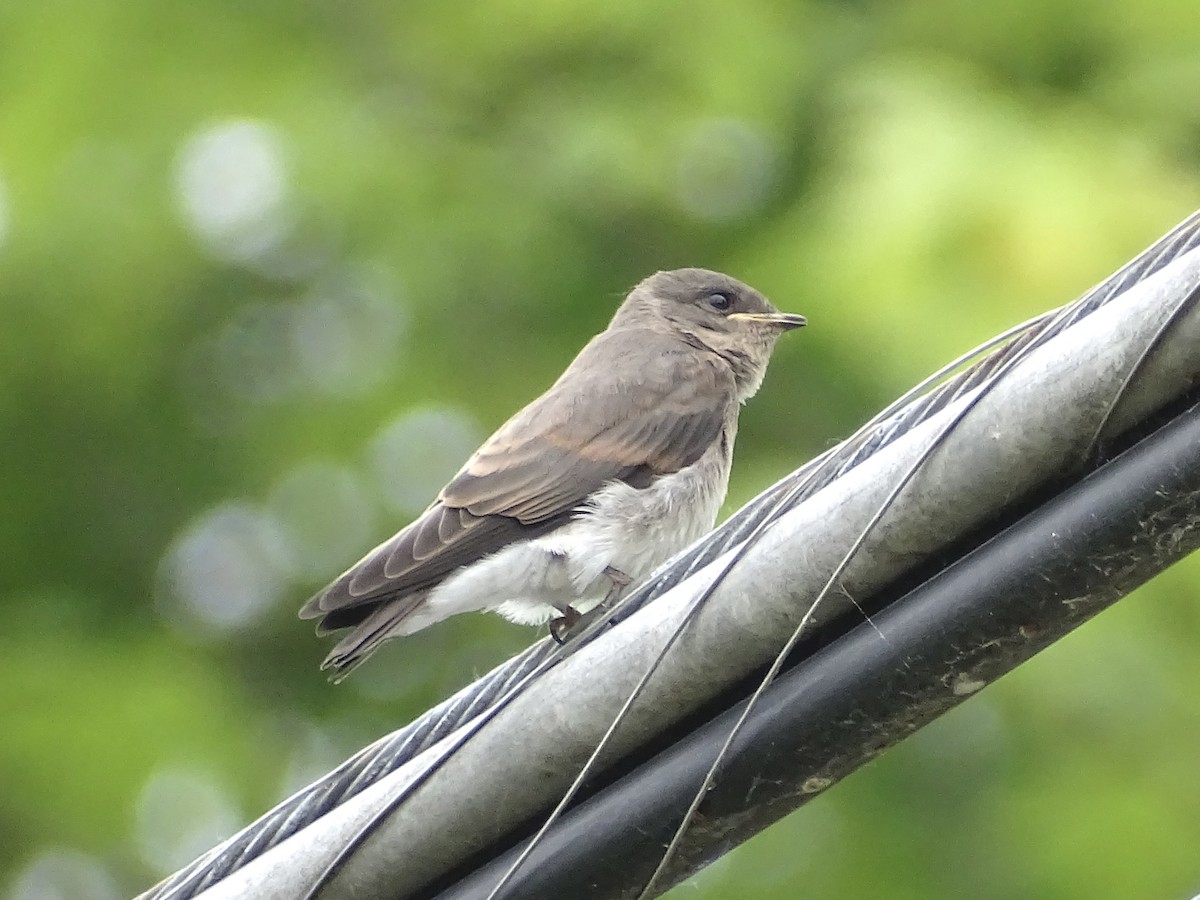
622, 463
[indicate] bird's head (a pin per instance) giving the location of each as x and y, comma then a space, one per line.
715, 311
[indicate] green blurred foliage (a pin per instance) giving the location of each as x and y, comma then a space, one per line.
268, 270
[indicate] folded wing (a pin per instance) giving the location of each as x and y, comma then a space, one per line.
600, 422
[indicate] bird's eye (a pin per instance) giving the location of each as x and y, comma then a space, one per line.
719, 300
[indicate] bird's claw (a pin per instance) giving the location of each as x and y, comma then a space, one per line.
573, 623
565, 627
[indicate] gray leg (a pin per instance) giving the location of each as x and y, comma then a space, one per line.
619, 580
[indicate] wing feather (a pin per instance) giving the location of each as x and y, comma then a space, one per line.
602, 421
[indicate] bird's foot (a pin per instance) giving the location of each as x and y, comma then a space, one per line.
566, 626
572, 622
619, 580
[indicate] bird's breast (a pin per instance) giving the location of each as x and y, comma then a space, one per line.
637, 529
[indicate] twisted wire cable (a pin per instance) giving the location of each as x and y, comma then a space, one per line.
391, 752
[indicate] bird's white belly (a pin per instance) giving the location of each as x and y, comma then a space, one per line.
622, 528
635, 531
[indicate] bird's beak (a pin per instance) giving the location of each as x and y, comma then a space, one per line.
782, 321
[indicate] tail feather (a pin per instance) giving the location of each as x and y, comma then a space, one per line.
352, 651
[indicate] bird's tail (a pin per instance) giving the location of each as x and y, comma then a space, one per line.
352, 651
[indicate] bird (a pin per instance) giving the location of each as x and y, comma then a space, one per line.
620, 464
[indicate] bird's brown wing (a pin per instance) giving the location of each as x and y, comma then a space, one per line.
603, 420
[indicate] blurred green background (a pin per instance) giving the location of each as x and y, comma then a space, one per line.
269, 270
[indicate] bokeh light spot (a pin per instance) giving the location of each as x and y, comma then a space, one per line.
326, 518
312, 753
59, 874
251, 361
226, 570
181, 814
346, 336
231, 181
413, 457
343, 337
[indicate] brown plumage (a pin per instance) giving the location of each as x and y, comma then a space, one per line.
646, 398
